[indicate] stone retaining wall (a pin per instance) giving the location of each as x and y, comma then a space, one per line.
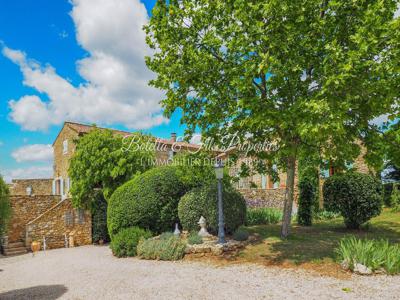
39, 186
264, 197
25, 209
62, 220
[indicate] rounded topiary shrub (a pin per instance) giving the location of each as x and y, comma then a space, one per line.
202, 201
150, 201
357, 197
125, 242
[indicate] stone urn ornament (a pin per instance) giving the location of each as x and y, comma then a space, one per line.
35, 247
177, 231
203, 227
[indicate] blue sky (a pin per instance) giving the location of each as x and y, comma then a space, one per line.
56, 58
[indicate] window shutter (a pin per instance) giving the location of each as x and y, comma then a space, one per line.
53, 188
263, 181
62, 187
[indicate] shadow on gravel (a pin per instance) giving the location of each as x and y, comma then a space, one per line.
42, 292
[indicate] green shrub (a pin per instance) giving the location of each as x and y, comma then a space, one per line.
395, 198
99, 219
326, 215
194, 238
357, 197
150, 201
125, 242
306, 202
241, 234
374, 254
5, 206
263, 216
202, 201
387, 194
165, 247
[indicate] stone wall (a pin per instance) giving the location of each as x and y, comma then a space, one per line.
39, 186
60, 221
273, 198
61, 159
24, 210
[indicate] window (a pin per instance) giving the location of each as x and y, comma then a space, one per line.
69, 218
29, 190
171, 155
65, 147
81, 216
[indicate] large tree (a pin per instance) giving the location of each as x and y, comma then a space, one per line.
5, 207
308, 75
103, 161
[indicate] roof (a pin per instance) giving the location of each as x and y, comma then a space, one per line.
83, 128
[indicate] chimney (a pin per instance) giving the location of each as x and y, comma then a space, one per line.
173, 137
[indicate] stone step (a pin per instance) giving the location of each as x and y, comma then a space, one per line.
15, 251
15, 245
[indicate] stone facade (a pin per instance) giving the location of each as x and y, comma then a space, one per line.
59, 223
25, 209
38, 186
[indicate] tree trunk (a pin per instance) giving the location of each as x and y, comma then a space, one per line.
289, 196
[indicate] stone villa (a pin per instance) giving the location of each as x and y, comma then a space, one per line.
42, 209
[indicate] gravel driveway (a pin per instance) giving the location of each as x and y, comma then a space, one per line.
92, 272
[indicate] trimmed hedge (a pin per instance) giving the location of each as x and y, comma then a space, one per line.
306, 202
125, 242
202, 201
358, 197
150, 201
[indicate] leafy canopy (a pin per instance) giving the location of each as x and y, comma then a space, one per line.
102, 161
298, 72
306, 74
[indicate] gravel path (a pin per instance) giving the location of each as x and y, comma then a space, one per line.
92, 272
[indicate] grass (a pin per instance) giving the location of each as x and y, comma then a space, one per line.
314, 246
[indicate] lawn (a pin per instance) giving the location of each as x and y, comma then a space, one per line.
314, 247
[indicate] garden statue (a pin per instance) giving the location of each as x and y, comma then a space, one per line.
203, 227
177, 231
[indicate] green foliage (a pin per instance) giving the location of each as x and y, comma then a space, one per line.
165, 247
196, 169
269, 70
150, 201
263, 216
326, 215
202, 201
395, 198
374, 254
241, 234
5, 206
387, 194
125, 242
194, 238
99, 219
358, 197
306, 202
104, 161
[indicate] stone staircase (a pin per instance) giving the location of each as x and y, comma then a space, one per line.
15, 248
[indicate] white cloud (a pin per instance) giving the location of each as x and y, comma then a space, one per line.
35, 172
36, 152
116, 88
